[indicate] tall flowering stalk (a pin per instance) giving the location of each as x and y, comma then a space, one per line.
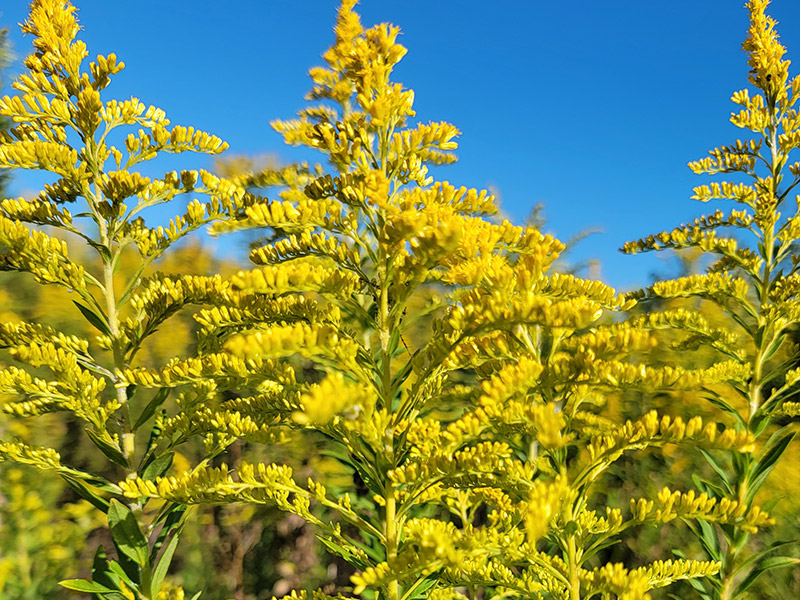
458, 380
63, 125
755, 280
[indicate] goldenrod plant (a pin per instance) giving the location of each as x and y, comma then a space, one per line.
754, 281
63, 125
476, 445
457, 379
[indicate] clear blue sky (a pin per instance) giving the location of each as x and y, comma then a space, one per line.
592, 108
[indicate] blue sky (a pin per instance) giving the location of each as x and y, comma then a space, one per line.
590, 108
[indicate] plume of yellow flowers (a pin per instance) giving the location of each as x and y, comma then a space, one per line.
754, 282
63, 123
457, 377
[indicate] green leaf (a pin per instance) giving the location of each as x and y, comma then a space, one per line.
117, 570
376, 554
171, 515
420, 587
95, 481
109, 574
96, 318
402, 375
723, 474
394, 340
704, 485
741, 462
774, 347
152, 440
748, 327
172, 518
759, 336
152, 407
342, 551
116, 263
360, 469
600, 545
771, 503
717, 401
128, 538
762, 567
100, 569
709, 539
102, 250
759, 423
86, 493
159, 466
766, 460
763, 554
84, 585
163, 566
698, 584
111, 452
369, 481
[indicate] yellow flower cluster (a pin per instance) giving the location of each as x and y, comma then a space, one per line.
671, 505
332, 397
45, 257
297, 277
654, 430
634, 584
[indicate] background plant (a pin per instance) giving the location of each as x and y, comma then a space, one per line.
754, 281
62, 126
48, 531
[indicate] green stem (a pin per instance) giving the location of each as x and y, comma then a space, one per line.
390, 525
127, 435
119, 358
393, 588
572, 560
765, 338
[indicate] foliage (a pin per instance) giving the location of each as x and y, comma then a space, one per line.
40, 536
219, 536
